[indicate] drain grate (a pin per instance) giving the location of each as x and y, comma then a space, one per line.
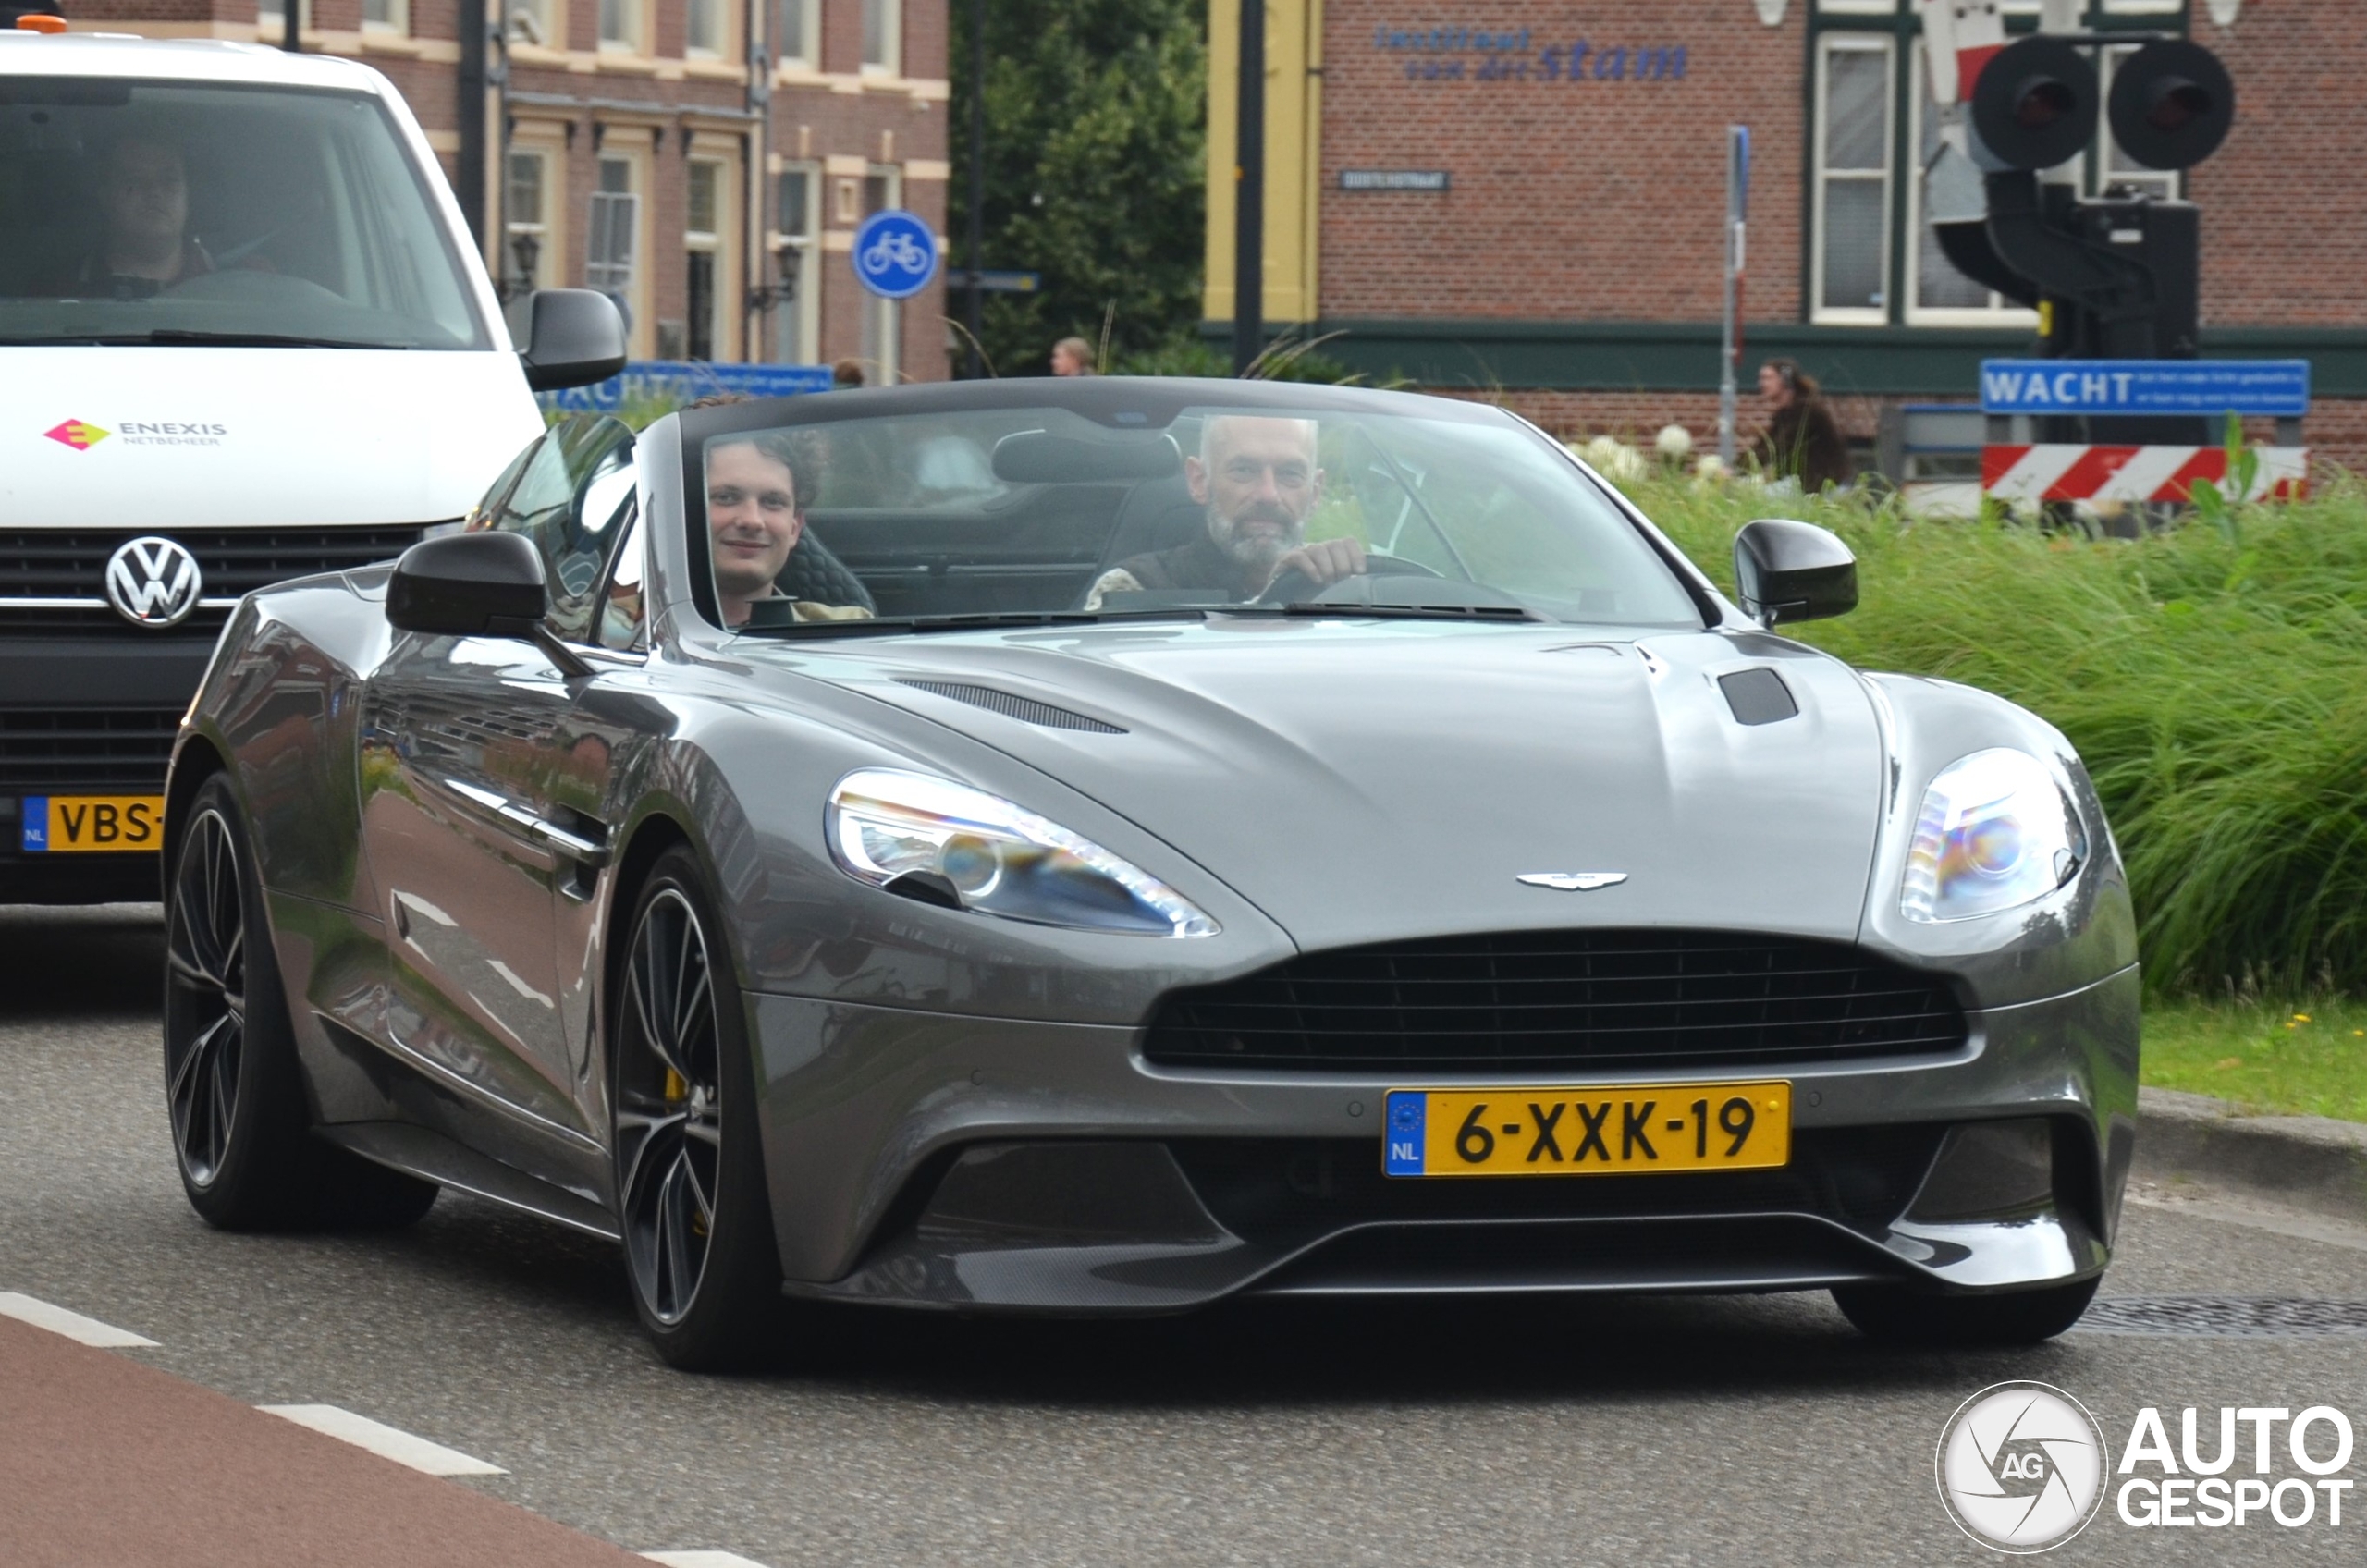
2272, 1318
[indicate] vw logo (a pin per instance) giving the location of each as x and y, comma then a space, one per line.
153, 581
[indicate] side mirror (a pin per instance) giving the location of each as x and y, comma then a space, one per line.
574, 336
1787, 571
468, 585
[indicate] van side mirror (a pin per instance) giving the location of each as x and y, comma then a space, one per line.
1787, 571
468, 585
574, 336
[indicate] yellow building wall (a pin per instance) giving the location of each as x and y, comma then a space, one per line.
1294, 168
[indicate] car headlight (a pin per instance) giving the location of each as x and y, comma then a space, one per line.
1996, 830
996, 858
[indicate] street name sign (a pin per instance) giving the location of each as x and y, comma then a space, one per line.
994, 280
2209, 388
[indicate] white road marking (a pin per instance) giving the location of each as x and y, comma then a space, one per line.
701, 1560
73, 1325
386, 1442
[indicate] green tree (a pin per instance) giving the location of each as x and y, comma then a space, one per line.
1095, 126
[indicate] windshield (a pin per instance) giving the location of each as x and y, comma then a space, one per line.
141, 212
1018, 514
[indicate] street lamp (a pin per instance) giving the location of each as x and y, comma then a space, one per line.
525, 249
764, 296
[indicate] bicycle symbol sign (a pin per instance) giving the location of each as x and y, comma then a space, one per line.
895, 254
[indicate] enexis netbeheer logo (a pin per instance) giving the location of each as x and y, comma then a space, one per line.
2021, 1466
79, 433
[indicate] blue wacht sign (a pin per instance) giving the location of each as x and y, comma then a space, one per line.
682, 380
2209, 387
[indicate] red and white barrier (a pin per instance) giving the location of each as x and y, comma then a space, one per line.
2061, 472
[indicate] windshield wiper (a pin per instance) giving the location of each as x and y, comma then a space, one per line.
200, 337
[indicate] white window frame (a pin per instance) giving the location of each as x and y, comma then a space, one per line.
883, 319
548, 16
891, 14
271, 26
1829, 44
1857, 8
805, 324
808, 52
632, 284
636, 17
539, 226
1999, 311
719, 13
396, 20
709, 242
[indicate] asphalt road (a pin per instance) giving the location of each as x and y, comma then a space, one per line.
1671, 1429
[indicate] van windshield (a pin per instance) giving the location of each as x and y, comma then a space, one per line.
209, 214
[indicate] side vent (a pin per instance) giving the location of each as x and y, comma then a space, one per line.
1757, 696
1025, 709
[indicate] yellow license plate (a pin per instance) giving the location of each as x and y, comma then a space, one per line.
1622, 1132
55, 823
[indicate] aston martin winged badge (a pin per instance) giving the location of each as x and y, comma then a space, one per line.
1573, 881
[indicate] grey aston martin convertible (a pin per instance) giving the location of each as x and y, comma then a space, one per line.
1105, 846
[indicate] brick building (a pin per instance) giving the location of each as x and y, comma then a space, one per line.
609, 143
1570, 256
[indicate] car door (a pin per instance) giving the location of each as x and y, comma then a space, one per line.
472, 851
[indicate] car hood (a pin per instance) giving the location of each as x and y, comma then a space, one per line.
194, 436
1360, 782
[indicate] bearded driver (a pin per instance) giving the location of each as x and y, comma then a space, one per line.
756, 513
1256, 477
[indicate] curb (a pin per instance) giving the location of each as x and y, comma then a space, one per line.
2309, 1162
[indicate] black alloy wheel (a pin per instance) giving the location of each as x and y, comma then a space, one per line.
241, 1127
689, 1181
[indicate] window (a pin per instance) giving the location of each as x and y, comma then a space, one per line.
385, 16
573, 499
1853, 152
533, 21
616, 220
270, 19
1872, 258
620, 25
883, 37
525, 222
883, 319
702, 28
701, 240
800, 36
797, 318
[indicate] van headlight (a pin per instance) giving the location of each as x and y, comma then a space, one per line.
997, 858
1996, 830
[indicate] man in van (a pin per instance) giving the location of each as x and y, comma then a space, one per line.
144, 244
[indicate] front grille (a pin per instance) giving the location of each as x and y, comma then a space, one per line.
123, 747
41, 564
1547, 1002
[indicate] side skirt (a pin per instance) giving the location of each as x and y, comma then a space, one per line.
418, 1151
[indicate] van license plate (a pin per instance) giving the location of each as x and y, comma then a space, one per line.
82, 823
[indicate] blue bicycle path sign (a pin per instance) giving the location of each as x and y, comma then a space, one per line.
895, 254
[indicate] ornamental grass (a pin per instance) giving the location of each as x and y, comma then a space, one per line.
2214, 678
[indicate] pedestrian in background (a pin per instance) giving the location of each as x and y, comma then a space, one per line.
1802, 440
845, 374
1071, 356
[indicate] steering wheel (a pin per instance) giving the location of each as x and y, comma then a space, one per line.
1295, 587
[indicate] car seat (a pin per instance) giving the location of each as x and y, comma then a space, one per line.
815, 575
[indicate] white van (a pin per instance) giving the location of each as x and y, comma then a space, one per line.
244, 335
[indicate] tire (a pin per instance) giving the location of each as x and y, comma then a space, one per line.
1895, 1315
698, 1229
241, 1128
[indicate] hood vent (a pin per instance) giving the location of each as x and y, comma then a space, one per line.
1757, 696
1025, 709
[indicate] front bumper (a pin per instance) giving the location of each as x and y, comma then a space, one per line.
929, 1159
